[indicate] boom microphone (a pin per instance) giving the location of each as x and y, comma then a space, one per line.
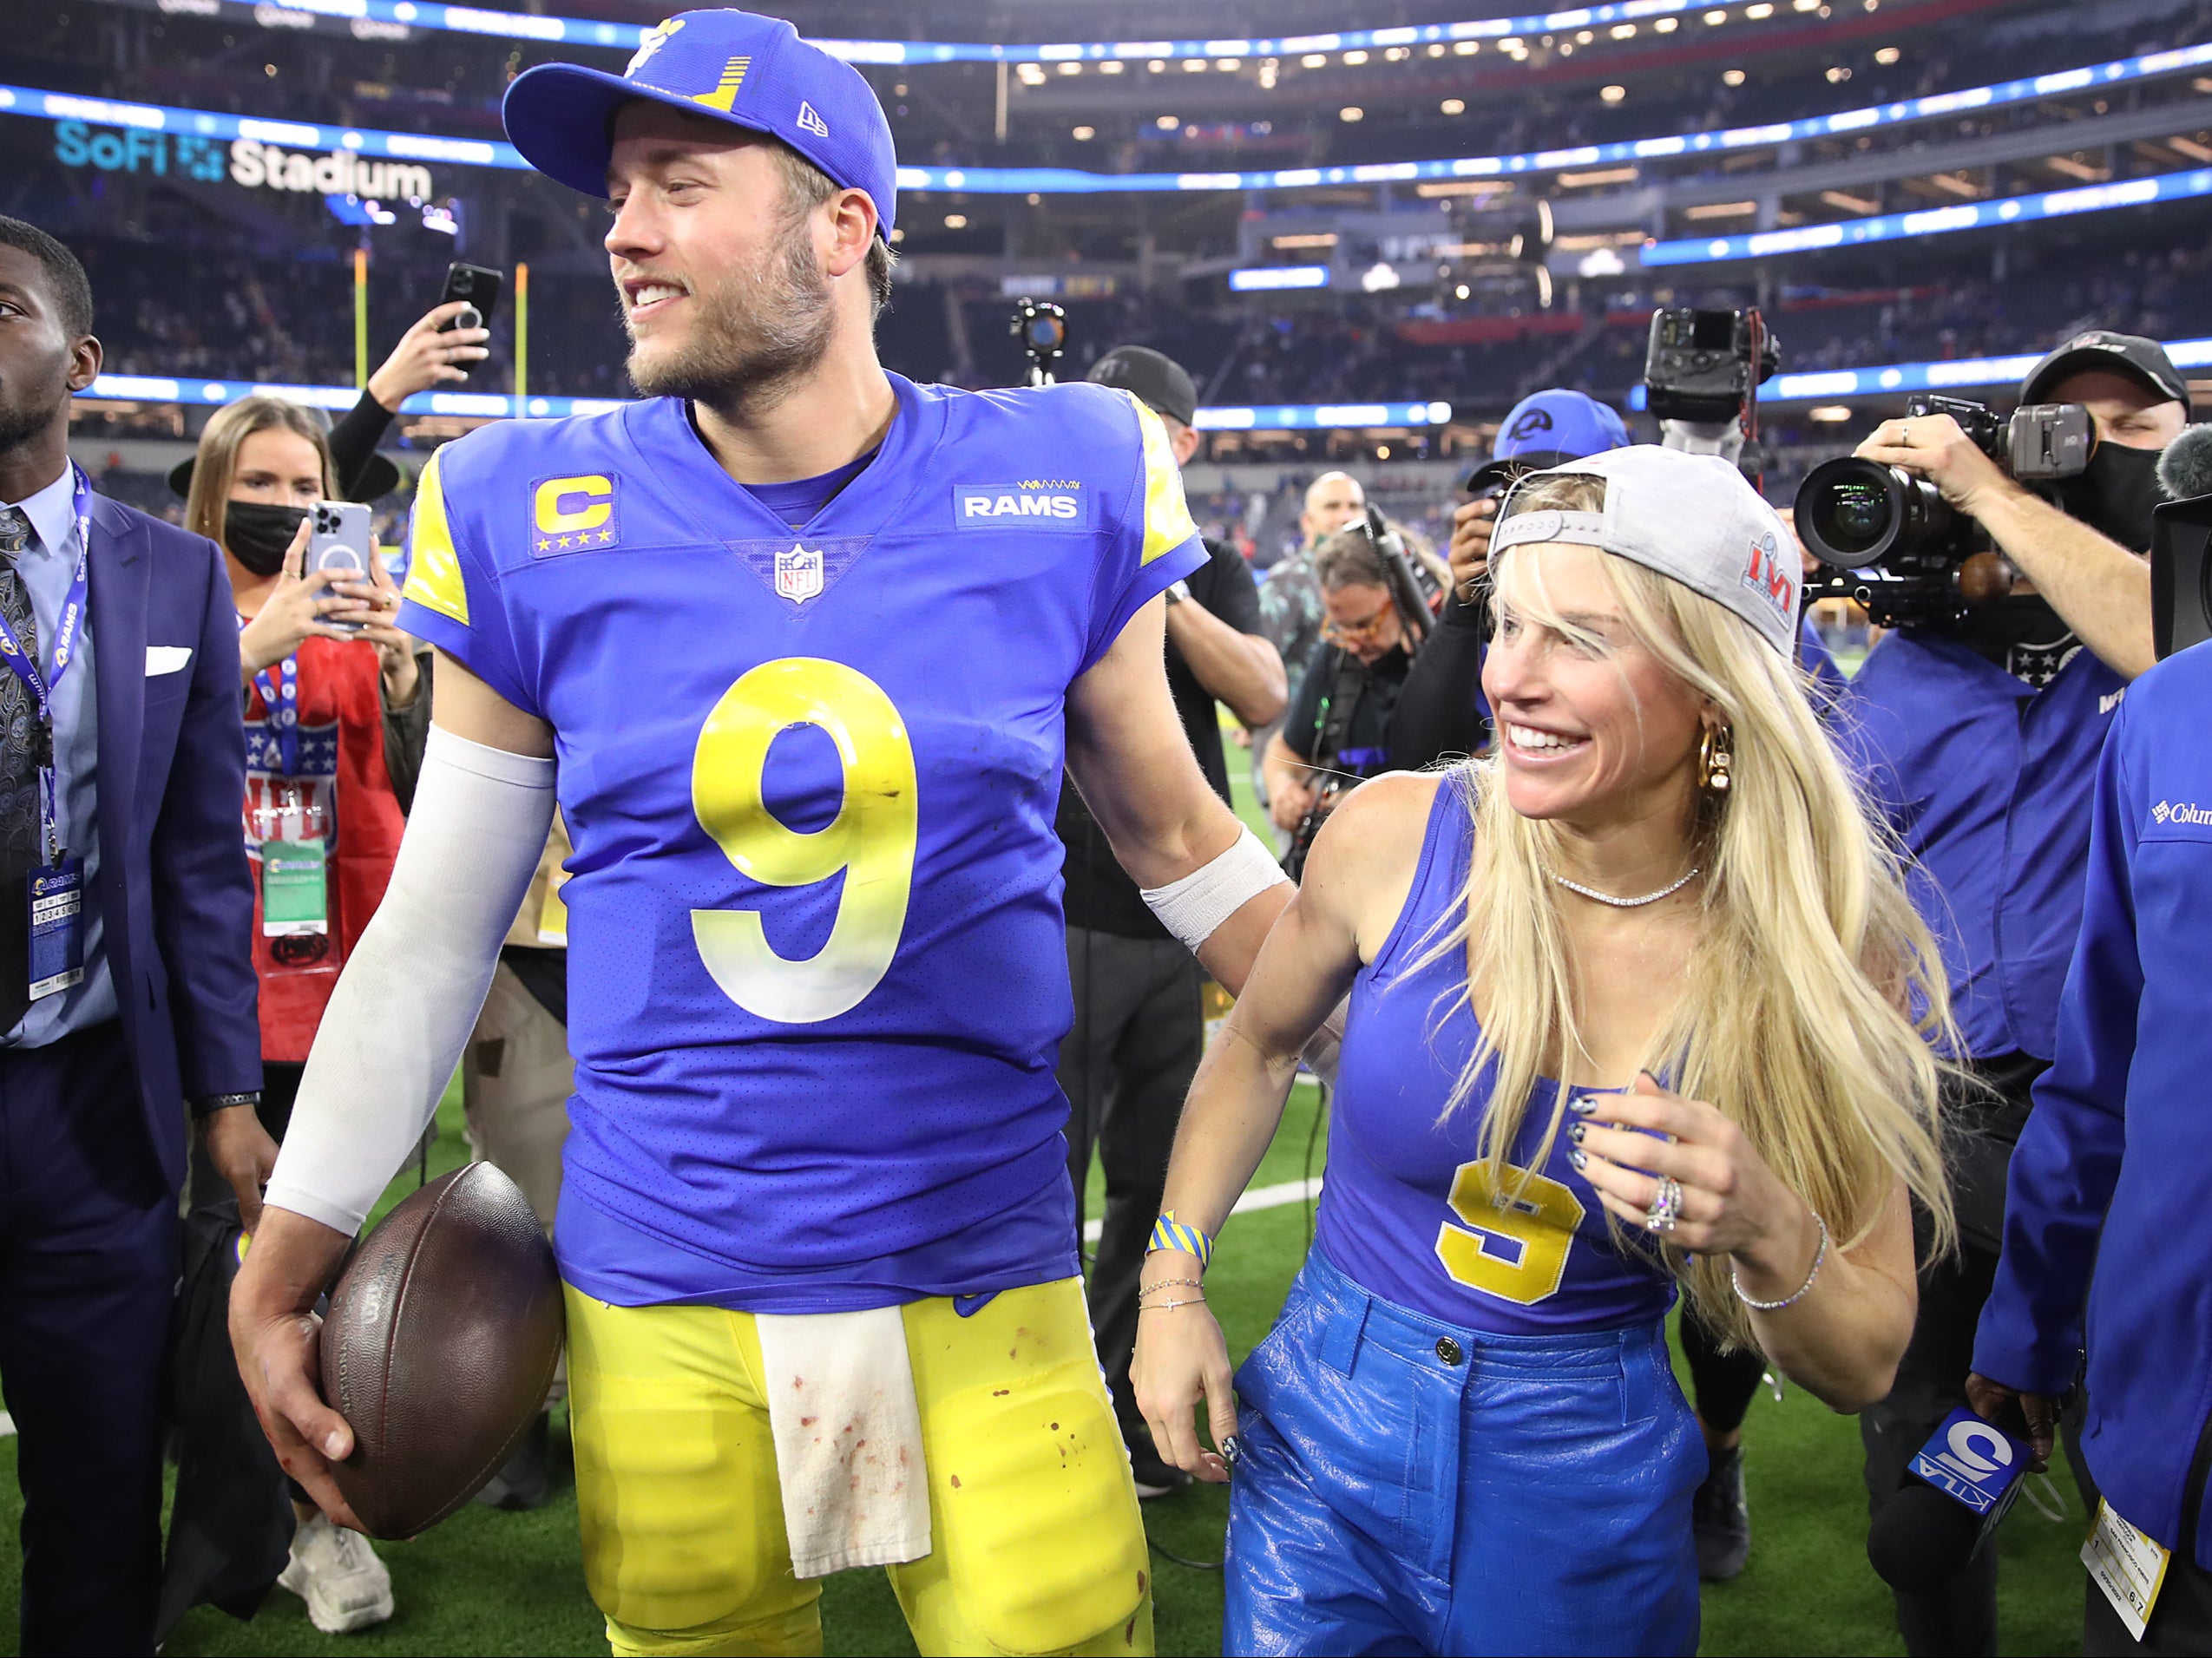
2185, 468
2180, 545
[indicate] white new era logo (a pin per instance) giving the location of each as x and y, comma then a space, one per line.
812, 123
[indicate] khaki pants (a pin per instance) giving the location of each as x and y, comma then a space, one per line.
516, 1078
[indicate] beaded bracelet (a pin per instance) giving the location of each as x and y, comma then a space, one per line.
1168, 1233
1819, 1256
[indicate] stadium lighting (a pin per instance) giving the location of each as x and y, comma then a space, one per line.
1666, 25
1732, 77
1759, 13
1888, 55
1613, 94
1452, 106
1622, 31
1267, 278
1379, 277
1462, 292
1714, 19
1112, 66
1829, 414
1355, 59
1168, 124
1085, 135
1351, 111
82, 120
1313, 61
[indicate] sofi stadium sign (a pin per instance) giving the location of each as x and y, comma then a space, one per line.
252, 162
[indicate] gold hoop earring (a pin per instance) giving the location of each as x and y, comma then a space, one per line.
1713, 759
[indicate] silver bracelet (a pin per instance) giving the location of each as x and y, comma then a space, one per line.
1819, 1256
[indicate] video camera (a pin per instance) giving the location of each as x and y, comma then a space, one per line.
1891, 541
1041, 327
1702, 374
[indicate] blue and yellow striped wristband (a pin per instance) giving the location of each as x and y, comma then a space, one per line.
1168, 1233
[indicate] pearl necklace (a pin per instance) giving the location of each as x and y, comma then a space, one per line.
1625, 903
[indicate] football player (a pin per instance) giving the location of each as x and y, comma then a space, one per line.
811, 645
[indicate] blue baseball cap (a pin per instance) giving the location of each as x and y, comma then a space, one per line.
1546, 427
751, 71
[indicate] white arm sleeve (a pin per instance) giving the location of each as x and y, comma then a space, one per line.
407, 1001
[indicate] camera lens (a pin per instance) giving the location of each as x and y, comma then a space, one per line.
1854, 513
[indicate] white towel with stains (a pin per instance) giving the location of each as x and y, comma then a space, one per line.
847, 1435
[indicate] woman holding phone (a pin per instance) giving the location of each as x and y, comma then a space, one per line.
1628, 1021
334, 701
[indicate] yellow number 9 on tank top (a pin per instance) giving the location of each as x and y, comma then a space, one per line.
871, 840
1528, 1230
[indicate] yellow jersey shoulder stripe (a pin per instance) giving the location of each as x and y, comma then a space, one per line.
433, 567
1167, 518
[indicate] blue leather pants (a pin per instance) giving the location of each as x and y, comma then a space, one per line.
1411, 1487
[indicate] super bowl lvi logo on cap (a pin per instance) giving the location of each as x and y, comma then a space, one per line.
1768, 577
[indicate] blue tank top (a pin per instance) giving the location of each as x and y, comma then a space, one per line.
1408, 1209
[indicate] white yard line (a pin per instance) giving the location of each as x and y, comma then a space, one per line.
1291, 1191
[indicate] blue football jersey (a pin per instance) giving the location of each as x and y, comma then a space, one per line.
817, 980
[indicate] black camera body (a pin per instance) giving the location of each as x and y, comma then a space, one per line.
1892, 544
1042, 326
1703, 366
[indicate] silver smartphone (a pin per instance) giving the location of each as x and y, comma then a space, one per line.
342, 541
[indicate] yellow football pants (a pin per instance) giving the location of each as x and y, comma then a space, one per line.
1035, 1541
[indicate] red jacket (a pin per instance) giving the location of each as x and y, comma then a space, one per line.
342, 757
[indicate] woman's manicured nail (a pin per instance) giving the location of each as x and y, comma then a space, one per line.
1576, 1130
1582, 1105
1575, 1156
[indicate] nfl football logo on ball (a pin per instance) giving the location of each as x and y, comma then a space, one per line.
798, 574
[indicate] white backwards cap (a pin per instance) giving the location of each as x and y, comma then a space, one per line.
1692, 517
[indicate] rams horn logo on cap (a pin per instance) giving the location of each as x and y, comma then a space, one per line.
1535, 420
656, 38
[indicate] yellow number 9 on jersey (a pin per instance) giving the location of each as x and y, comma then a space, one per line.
871, 840
1531, 1226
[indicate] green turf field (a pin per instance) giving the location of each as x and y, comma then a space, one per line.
492, 1583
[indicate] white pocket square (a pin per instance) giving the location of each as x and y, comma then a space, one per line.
166, 658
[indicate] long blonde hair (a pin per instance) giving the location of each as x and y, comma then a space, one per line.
214, 464
1790, 1019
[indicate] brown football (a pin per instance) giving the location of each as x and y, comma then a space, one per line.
440, 1343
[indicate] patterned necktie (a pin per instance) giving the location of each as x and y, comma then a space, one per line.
21, 847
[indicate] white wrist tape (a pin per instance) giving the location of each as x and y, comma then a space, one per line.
404, 1005
1193, 907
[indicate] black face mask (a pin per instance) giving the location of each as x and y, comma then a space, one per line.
2022, 635
258, 534
2115, 496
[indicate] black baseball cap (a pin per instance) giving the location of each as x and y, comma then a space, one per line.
379, 478
2143, 361
1159, 382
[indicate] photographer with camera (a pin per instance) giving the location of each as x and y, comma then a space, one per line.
1979, 719
1338, 729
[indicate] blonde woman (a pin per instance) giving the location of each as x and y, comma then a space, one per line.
1626, 1021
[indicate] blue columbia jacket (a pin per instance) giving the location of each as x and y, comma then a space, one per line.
2109, 1212
1986, 780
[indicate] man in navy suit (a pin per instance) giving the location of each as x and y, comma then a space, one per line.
126, 975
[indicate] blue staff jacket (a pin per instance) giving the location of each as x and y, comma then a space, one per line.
2109, 1203
1988, 782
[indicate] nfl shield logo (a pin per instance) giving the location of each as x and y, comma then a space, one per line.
798, 574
